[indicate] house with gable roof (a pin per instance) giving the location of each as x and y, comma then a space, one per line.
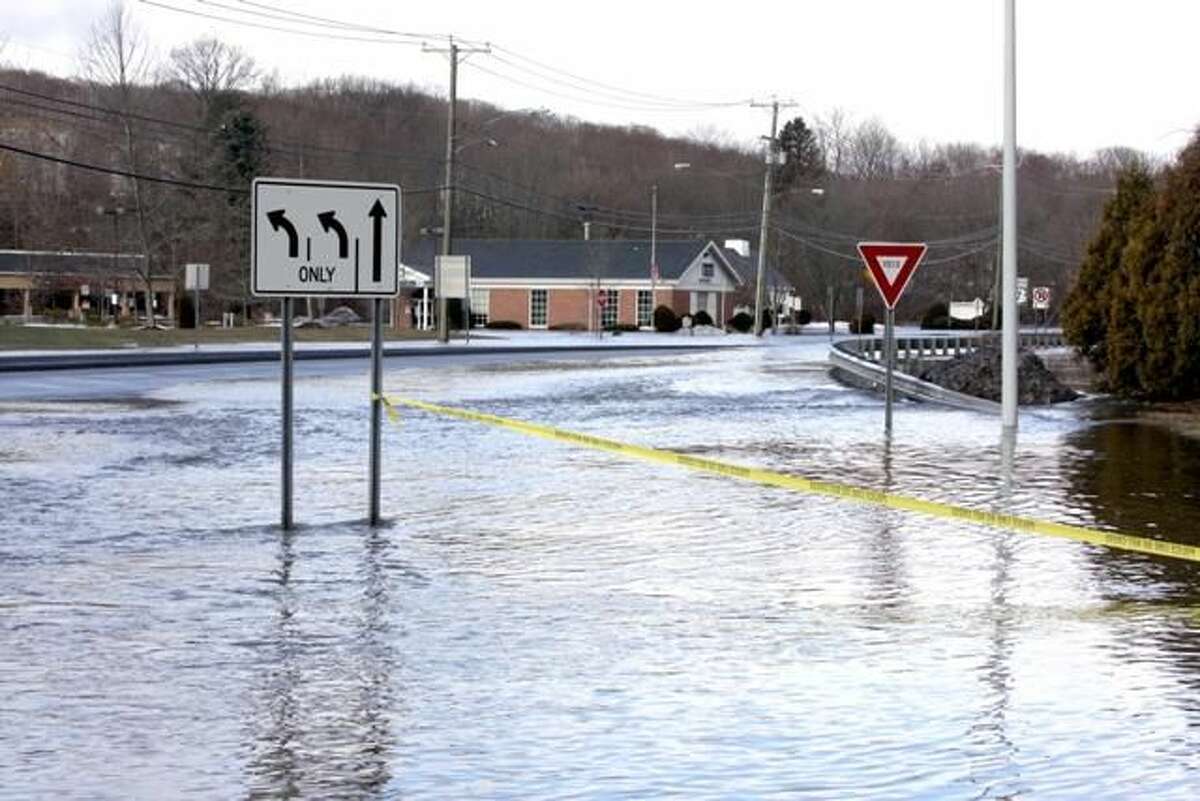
589, 284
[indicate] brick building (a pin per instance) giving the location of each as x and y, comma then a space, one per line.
559, 284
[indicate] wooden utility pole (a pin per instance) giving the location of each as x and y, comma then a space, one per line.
456, 52
772, 149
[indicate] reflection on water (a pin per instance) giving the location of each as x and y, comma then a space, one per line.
320, 723
1140, 478
544, 621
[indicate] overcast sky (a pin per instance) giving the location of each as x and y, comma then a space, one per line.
1092, 73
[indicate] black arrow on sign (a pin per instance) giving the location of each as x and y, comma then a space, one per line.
377, 214
278, 220
329, 220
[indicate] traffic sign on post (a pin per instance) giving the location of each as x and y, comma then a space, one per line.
1041, 298
891, 265
333, 239
324, 238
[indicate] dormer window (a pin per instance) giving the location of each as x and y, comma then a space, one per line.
707, 270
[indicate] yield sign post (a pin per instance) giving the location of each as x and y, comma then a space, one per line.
891, 265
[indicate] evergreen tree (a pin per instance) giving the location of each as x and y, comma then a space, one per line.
1093, 300
1135, 308
803, 157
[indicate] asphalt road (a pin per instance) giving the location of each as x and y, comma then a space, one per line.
130, 382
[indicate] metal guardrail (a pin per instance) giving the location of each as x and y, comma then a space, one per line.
863, 358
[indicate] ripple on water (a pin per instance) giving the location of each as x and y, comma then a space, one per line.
542, 621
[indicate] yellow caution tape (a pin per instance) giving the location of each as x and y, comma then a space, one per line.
770, 478
392, 412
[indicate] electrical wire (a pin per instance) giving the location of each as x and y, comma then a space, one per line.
159, 179
277, 28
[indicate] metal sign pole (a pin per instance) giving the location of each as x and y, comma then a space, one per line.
286, 348
196, 314
376, 404
890, 349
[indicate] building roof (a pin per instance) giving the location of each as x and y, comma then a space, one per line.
46, 262
747, 268
611, 259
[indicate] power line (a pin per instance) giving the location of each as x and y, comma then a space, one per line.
159, 179
277, 28
124, 173
632, 99
646, 95
627, 106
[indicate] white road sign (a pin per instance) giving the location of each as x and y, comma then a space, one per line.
195, 277
324, 238
453, 276
1022, 290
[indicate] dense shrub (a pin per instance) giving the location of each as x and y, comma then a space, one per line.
621, 327
766, 319
665, 320
741, 322
803, 317
503, 325
702, 318
568, 327
867, 327
936, 316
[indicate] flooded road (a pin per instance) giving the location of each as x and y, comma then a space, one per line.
540, 621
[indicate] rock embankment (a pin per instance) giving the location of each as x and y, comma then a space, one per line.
979, 374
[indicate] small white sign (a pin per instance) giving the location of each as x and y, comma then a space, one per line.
195, 276
1041, 298
453, 276
324, 238
85, 290
1022, 291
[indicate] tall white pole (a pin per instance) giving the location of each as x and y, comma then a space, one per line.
1010, 325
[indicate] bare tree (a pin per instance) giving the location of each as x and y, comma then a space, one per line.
874, 151
116, 60
211, 69
833, 136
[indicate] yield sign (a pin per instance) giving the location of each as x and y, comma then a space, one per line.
891, 265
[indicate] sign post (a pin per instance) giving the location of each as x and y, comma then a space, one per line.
1041, 303
891, 265
331, 239
285, 479
195, 278
452, 279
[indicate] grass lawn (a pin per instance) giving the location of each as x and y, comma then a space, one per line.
19, 337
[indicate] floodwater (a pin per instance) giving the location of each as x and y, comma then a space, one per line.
540, 621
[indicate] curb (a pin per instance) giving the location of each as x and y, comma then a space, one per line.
106, 359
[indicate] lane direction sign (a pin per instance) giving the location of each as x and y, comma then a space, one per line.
324, 238
891, 265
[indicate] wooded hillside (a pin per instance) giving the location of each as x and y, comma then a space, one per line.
206, 121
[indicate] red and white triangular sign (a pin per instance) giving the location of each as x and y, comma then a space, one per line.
891, 264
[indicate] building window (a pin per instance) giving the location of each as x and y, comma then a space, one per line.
479, 307
609, 314
645, 308
707, 270
538, 303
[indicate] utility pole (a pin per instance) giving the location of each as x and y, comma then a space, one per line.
760, 286
455, 52
1010, 321
653, 251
